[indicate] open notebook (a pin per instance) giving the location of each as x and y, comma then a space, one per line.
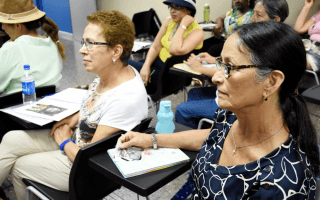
185, 67
149, 160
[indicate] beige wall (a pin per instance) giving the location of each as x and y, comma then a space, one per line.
217, 8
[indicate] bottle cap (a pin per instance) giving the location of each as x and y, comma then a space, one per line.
26, 67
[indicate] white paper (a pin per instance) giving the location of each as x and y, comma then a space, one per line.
207, 25
35, 120
71, 95
64, 109
138, 45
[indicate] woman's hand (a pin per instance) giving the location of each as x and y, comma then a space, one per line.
309, 3
187, 20
145, 74
194, 63
217, 30
135, 139
207, 57
71, 121
61, 134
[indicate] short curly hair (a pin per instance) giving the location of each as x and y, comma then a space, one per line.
117, 29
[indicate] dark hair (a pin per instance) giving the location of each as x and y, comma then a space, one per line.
51, 29
276, 46
276, 8
192, 11
117, 29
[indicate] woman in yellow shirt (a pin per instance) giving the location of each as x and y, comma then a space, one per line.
178, 35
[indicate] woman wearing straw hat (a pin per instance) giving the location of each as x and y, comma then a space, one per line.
20, 19
178, 35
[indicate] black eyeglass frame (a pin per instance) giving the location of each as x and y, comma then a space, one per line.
177, 7
87, 43
227, 67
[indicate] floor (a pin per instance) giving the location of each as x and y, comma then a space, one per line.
74, 74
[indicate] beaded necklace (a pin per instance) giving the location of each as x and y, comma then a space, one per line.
174, 32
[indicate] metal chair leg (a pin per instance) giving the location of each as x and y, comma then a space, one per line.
148, 198
30, 190
315, 75
152, 105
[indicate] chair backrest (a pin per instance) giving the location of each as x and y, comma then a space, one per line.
16, 98
146, 23
85, 183
170, 83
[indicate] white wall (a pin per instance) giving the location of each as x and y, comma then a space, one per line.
217, 8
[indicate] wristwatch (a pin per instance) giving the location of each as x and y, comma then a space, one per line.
154, 141
184, 27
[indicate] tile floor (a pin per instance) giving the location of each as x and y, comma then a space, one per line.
75, 74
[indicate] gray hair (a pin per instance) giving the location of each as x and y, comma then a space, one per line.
262, 72
275, 8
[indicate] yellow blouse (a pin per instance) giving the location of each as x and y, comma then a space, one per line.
164, 52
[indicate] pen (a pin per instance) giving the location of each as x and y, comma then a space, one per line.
152, 72
123, 136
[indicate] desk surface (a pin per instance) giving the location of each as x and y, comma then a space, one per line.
144, 184
188, 74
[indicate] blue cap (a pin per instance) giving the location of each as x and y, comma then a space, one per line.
26, 67
186, 3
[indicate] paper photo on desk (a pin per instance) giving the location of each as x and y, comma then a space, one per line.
151, 160
49, 110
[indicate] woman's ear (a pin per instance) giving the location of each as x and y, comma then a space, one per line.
117, 50
273, 82
278, 19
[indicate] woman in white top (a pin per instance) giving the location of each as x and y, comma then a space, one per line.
44, 54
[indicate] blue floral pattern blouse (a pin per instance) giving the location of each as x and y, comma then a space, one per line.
278, 175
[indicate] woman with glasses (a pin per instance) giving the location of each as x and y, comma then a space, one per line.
201, 101
178, 35
262, 144
116, 100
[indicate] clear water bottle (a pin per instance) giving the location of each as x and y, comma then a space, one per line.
165, 117
28, 86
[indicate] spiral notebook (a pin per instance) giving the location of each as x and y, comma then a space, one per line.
151, 160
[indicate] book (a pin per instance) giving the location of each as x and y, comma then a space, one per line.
50, 108
185, 67
146, 160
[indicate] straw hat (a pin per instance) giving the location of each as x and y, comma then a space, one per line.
19, 11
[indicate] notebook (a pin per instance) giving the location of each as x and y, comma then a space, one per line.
150, 160
185, 67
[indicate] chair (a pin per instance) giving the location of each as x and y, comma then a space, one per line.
168, 83
146, 23
315, 74
16, 98
203, 120
312, 94
84, 183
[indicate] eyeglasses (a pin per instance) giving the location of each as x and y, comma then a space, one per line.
226, 68
176, 7
90, 44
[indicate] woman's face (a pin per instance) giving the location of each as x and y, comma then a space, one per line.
177, 12
241, 5
98, 57
11, 30
259, 13
240, 90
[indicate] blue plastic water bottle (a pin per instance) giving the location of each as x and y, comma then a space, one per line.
28, 86
165, 117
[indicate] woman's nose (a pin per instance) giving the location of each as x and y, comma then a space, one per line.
253, 18
218, 77
83, 49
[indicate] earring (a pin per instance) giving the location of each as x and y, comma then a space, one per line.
114, 62
265, 98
